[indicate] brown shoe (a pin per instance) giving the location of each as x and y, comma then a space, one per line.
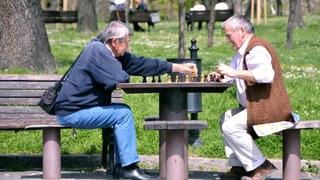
261, 172
237, 171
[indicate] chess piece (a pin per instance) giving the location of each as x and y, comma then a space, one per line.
169, 78
205, 78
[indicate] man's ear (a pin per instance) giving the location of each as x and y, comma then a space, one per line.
113, 41
243, 32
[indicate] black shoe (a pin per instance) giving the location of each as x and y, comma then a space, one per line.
130, 172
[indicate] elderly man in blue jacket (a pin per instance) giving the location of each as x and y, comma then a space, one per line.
84, 100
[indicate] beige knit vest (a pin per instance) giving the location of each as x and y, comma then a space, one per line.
267, 102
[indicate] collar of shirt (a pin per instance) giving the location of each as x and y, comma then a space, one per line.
109, 49
244, 46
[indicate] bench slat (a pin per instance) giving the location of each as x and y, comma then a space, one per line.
60, 16
37, 78
20, 110
26, 116
21, 93
307, 124
134, 16
20, 101
27, 85
21, 123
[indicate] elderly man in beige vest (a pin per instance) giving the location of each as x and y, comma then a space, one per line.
256, 72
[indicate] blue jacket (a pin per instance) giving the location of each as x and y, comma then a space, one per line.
96, 73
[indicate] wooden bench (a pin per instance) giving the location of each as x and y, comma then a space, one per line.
19, 95
135, 17
204, 16
60, 16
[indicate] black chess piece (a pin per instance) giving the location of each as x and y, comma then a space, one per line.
144, 79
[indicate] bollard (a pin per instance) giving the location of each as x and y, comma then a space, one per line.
195, 99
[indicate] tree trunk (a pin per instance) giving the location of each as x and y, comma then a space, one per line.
206, 3
211, 23
290, 26
295, 19
127, 4
298, 18
237, 7
87, 17
181, 29
102, 8
309, 5
24, 42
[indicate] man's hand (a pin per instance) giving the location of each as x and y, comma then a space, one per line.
241, 74
226, 70
188, 68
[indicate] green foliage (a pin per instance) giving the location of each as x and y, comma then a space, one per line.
300, 65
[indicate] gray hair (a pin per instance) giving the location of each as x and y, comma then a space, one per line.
115, 30
239, 21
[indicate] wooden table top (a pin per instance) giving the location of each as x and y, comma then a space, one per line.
185, 86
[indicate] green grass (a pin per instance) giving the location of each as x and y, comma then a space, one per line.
301, 67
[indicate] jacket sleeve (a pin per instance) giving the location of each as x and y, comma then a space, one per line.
142, 66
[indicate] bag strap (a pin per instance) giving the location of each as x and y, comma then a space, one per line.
68, 71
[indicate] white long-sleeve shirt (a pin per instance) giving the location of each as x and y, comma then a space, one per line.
258, 62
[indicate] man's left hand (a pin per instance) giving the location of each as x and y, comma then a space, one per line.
226, 70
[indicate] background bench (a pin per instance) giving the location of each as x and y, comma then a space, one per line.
19, 95
135, 17
203, 16
60, 16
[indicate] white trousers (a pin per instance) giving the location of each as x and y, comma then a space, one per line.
240, 148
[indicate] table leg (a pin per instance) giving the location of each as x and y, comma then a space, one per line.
176, 162
173, 150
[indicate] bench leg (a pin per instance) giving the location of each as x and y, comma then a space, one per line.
291, 155
108, 159
51, 159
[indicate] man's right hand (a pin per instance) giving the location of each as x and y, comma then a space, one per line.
188, 68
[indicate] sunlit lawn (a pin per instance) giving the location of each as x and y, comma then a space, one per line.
301, 67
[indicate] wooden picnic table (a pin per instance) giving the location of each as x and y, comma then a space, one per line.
173, 121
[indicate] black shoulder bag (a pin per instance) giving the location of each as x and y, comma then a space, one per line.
48, 99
